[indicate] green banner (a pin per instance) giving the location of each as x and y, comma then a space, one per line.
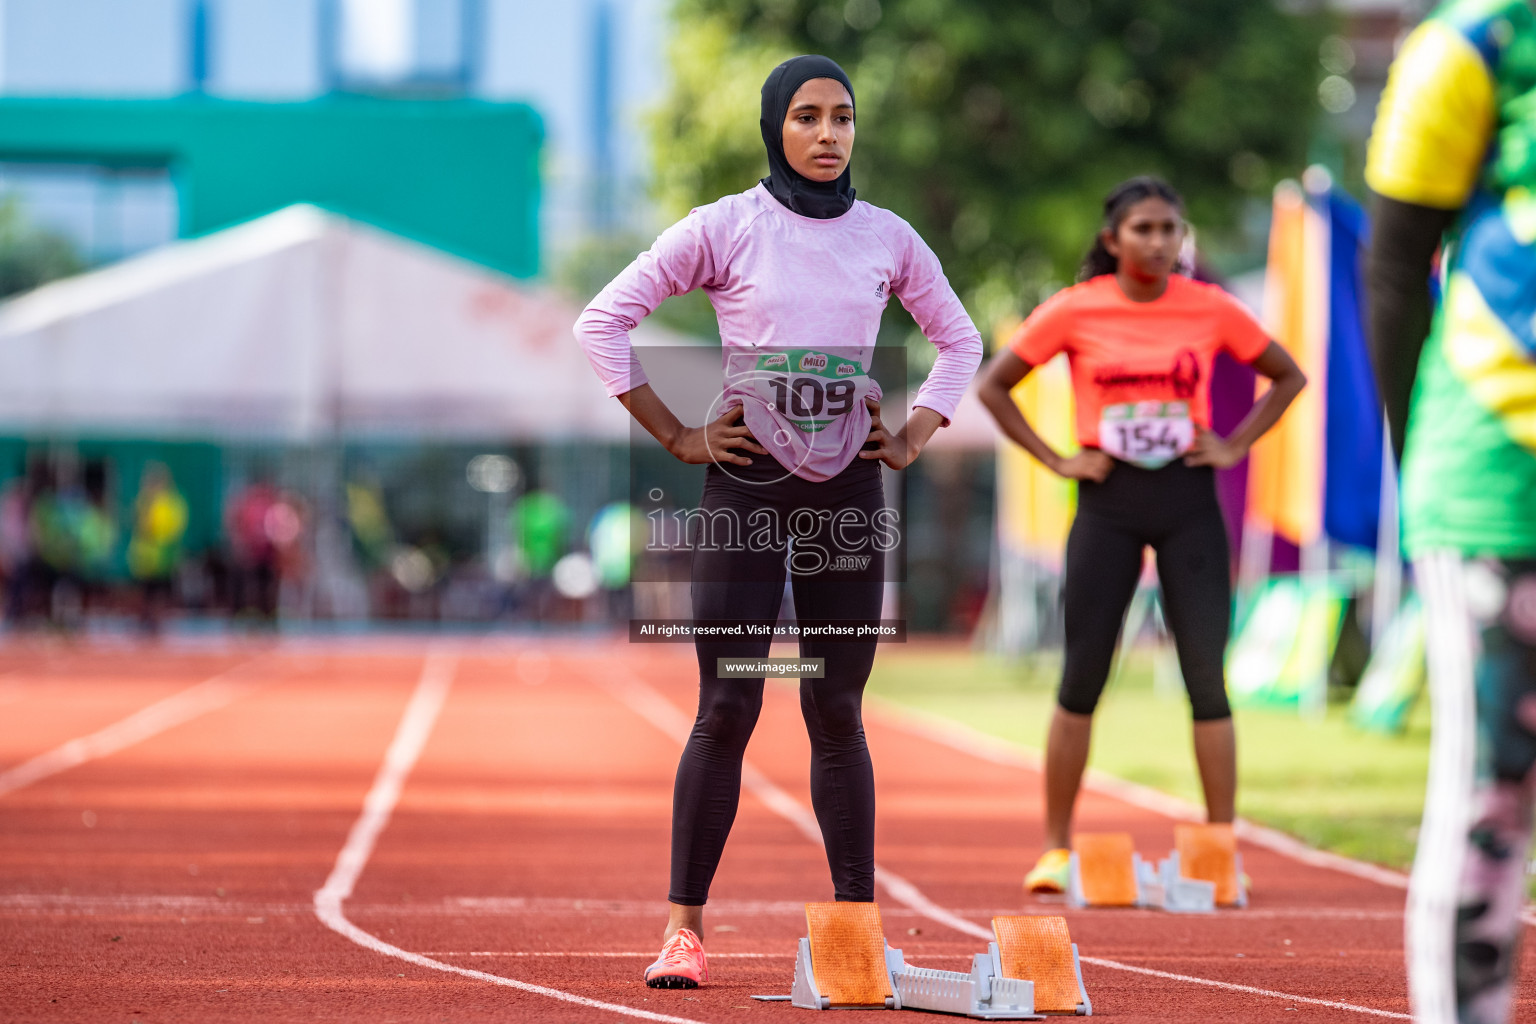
1395, 676
1285, 645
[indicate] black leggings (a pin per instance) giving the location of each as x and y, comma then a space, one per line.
735, 585
1174, 509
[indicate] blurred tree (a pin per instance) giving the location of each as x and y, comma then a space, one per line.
29, 255
996, 127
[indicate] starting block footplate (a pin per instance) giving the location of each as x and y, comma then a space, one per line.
1039, 948
1104, 871
845, 963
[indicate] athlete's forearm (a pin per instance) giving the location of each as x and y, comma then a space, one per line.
1404, 238
1266, 412
997, 397
1286, 382
646, 406
919, 429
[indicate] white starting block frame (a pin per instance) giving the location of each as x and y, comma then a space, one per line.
1164, 887
1168, 889
983, 993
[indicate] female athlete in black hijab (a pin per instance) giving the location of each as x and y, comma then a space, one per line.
792, 266
820, 199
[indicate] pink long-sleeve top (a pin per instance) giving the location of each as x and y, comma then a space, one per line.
799, 303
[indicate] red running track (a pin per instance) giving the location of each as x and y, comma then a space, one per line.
165, 869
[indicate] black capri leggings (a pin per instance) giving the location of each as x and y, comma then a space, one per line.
1174, 509
744, 581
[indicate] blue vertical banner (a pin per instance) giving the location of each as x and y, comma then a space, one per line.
1353, 436
472, 43
198, 45
328, 31
601, 123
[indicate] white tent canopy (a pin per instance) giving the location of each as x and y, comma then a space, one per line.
299, 326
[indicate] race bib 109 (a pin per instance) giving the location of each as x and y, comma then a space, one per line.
1146, 434
810, 389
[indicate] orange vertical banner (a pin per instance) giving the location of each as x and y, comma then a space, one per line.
1285, 468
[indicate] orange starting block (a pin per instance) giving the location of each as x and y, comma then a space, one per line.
1105, 871
1040, 950
845, 963
1209, 853
847, 952
1203, 871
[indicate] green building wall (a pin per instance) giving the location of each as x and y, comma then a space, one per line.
461, 175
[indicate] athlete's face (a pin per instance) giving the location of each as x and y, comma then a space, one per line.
1147, 241
818, 129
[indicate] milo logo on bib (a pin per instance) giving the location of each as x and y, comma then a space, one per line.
814, 389
1146, 434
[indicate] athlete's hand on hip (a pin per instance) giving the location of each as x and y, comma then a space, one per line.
891, 449
720, 440
1211, 449
1088, 464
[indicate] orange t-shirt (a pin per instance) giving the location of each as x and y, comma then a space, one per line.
1124, 352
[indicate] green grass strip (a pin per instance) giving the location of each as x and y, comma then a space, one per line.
1321, 780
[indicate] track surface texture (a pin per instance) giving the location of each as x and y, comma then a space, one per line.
172, 849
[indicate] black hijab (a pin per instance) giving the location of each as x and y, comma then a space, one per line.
820, 199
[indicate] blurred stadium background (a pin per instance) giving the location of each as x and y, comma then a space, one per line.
290, 286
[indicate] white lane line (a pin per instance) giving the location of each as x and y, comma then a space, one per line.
410, 737
660, 712
178, 708
664, 715
39, 904
641, 956
1231, 987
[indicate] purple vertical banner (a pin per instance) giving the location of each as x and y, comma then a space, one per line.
1232, 386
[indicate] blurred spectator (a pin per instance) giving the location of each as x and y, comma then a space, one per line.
18, 553
60, 533
615, 537
369, 519
540, 525
394, 571
96, 533
286, 524
263, 524
154, 547
56, 518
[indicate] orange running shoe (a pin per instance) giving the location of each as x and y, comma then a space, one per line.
681, 964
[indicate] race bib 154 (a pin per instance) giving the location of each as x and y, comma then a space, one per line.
1146, 434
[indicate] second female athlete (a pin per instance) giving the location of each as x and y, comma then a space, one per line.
799, 273
1141, 341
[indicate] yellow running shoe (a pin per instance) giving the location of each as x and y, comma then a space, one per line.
1050, 873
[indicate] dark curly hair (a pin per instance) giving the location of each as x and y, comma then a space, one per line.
1116, 205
